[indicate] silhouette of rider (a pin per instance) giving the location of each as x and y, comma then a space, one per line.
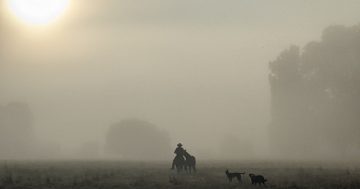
179, 151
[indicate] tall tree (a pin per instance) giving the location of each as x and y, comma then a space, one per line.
316, 95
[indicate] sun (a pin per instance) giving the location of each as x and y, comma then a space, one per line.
38, 12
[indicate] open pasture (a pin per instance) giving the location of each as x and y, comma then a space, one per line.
127, 175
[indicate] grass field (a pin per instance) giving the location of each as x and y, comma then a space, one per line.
113, 174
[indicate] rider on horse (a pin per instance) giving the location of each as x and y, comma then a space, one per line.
179, 151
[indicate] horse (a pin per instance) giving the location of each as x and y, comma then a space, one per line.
179, 163
190, 162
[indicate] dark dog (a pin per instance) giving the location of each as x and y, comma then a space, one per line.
230, 176
257, 179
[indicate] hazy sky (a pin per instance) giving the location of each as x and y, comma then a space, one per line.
197, 68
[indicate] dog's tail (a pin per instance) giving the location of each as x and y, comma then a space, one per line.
265, 180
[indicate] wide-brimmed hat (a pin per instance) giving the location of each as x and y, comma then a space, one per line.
179, 144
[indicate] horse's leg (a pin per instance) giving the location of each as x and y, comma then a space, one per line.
181, 168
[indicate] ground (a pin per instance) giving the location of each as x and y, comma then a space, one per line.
127, 175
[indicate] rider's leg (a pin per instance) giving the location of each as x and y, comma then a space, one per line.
173, 164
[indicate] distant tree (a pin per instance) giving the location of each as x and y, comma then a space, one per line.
315, 93
235, 148
89, 150
16, 130
138, 140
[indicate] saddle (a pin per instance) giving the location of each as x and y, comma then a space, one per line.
179, 158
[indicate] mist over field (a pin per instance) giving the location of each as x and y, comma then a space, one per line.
230, 80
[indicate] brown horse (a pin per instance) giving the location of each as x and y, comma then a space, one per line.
179, 163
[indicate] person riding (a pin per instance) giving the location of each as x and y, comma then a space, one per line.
179, 151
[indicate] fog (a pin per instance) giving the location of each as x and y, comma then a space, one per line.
221, 77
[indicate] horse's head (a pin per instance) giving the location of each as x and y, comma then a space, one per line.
186, 154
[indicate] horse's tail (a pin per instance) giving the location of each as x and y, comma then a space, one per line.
193, 161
